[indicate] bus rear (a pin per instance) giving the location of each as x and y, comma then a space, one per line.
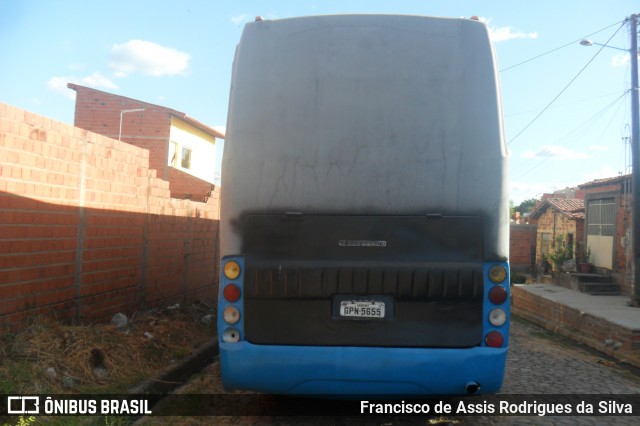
364, 211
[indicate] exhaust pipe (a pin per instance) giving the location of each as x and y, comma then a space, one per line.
471, 388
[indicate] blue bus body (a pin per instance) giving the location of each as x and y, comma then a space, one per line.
344, 370
364, 212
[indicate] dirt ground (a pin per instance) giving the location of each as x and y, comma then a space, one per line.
52, 358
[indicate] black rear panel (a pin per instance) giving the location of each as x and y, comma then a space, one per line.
427, 271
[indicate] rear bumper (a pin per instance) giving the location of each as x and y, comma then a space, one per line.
347, 371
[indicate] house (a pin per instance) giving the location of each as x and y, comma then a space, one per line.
560, 221
181, 149
608, 227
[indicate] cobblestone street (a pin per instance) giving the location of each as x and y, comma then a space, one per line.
539, 362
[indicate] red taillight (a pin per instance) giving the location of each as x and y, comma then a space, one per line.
498, 295
231, 293
494, 339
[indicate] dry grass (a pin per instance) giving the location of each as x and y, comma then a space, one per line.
99, 358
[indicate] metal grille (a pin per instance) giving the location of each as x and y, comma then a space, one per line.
601, 217
427, 283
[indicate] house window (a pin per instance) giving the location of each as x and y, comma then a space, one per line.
545, 242
173, 154
185, 161
179, 156
600, 217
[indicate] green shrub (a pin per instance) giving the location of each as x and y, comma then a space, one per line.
518, 279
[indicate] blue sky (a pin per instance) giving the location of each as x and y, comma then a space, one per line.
179, 55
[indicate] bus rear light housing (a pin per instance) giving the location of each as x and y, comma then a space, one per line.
231, 315
231, 335
232, 270
498, 295
497, 274
497, 317
231, 293
494, 339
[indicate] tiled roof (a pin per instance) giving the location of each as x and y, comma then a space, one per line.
606, 181
571, 208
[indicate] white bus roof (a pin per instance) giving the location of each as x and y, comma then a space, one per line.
365, 114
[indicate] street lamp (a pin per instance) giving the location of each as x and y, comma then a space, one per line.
587, 42
122, 112
635, 151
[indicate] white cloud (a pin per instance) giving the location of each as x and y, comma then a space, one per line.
602, 173
97, 80
520, 191
506, 33
58, 84
598, 148
148, 58
240, 19
620, 60
556, 152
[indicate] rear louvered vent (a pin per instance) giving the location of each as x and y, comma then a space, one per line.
423, 283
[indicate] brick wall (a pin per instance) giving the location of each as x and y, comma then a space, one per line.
87, 229
186, 186
618, 189
99, 112
522, 242
623, 254
576, 325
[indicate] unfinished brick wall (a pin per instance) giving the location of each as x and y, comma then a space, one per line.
186, 186
522, 242
87, 229
100, 112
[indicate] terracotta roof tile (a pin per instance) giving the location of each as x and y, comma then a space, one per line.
572, 208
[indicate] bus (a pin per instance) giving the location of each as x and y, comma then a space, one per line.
364, 212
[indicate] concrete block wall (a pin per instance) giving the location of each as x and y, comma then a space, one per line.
87, 229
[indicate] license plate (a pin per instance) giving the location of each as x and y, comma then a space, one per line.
362, 309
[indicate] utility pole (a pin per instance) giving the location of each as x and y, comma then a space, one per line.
635, 157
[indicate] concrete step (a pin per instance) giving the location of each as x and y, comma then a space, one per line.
592, 278
599, 288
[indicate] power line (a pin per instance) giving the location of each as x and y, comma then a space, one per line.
577, 101
561, 47
567, 86
576, 132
